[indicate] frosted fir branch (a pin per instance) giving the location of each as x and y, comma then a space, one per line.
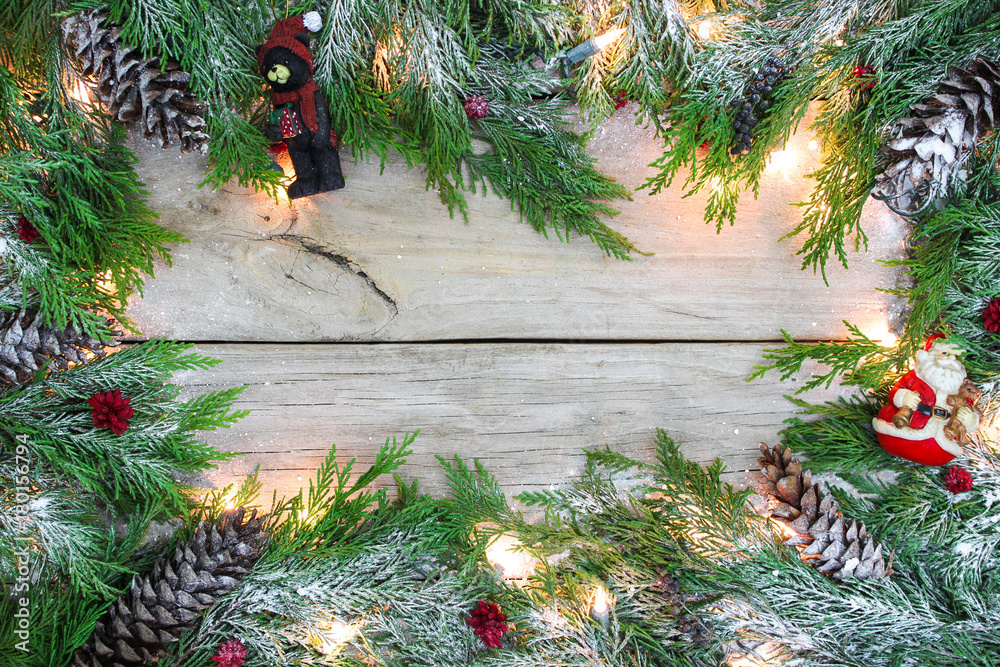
142, 463
63, 528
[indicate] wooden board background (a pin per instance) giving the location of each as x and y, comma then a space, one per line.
368, 312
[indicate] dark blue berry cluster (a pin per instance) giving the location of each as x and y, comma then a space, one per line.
756, 103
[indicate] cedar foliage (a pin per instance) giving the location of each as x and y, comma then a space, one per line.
908, 45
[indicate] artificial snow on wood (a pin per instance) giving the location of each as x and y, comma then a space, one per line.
525, 410
381, 260
350, 314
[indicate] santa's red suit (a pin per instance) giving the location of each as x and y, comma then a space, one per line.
922, 439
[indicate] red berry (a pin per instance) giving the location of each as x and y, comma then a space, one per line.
488, 623
867, 73
991, 316
476, 107
111, 411
958, 480
26, 231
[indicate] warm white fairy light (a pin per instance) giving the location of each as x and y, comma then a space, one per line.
783, 161
80, 92
600, 601
813, 144
228, 501
608, 38
704, 29
336, 636
593, 45
510, 561
879, 332
599, 611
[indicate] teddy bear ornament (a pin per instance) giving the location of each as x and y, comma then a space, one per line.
931, 409
300, 114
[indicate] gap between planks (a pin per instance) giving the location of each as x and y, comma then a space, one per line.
526, 410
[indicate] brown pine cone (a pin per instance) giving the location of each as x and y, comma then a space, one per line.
164, 603
151, 93
26, 344
814, 523
934, 143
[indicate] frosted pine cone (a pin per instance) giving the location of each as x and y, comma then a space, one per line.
933, 144
152, 93
167, 601
823, 536
476, 107
26, 344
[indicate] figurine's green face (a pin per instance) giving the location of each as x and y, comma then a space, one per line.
279, 74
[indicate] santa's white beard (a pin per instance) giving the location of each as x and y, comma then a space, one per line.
946, 377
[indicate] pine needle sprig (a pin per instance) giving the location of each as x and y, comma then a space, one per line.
324, 517
858, 361
841, 439
62, 528
142, 463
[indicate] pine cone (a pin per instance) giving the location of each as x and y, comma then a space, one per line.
821, 534
167, 601
26, 343
937, 139
134, 88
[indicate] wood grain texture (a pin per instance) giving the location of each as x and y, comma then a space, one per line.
525, 410
381, 260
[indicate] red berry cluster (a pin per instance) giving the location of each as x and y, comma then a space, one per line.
231, 653
26, 231
958, 480
620, 100
991, 316
476, 107
111, 411
868, 74
489, 623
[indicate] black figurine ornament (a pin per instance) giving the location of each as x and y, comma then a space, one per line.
300, 117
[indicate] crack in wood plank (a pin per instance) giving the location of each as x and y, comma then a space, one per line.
313, 247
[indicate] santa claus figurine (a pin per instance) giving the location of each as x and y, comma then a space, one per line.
931, 409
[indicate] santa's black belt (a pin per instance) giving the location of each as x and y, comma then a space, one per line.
928, 411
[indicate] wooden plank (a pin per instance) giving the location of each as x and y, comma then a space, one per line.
381, 260
525, 410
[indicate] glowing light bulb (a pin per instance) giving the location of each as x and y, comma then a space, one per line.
879, 332
512, 563
600, 601
336, 636
229, 502
704, 29
783, 160
813, 144
80, 92
608, 38
593, 45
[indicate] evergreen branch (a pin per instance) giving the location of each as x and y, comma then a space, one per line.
141, 464
842, 440
319, 521
858, 361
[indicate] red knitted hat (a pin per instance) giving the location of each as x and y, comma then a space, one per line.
283, 34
